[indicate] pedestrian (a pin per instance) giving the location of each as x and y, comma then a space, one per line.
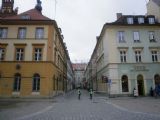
135, 93
151, 92
79, 94
91, 94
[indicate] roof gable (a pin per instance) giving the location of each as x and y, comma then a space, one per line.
32, 14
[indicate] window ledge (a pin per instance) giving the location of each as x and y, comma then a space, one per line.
16, 93
36, 93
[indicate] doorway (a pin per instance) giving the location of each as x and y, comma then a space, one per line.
140, 85
157, 79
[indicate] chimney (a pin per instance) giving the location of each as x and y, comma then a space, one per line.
119, 15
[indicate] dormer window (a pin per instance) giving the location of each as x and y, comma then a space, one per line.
25, 17
140, 20
130, 20
151, 20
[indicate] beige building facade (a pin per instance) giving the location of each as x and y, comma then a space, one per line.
33, 57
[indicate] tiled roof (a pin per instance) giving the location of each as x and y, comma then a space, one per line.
79, 66
32, 14
157, 2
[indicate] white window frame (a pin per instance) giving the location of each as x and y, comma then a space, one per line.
136, 36
151, 20
152, 36
140, 20
154, 55
121, 36
138, 56
22, 33
20, 54
3, 32
39, 33
123, 56
37, 54
130, 20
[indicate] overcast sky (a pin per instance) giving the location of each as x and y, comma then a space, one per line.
82, 20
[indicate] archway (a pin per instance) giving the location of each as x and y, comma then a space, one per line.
140, 84
124, 82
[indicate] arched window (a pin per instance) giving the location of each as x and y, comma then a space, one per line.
17, 82
36, 82
157, 79
124, 81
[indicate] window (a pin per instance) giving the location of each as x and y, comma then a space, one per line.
3, 32
39, 33
152, 36
140, 20
2, 54
121, 36
25, 17
19, 54
123, 56
36, 82
130, 20
151, 20
124, 81
136, 36
154, 56
138, 56
17, 82
37, 54
22, 33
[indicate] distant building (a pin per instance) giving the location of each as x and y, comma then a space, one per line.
70, 75
127, 54
33, 57
79, 69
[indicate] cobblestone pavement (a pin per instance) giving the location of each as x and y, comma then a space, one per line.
68, 107
148, 105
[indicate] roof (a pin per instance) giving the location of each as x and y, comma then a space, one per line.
157, 2
79, 66
32, 14
123, 21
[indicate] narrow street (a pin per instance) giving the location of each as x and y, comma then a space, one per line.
68, 107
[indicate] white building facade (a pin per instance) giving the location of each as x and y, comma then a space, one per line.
128, 56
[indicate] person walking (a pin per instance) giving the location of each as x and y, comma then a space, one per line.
135, 93
91, 93
79, 94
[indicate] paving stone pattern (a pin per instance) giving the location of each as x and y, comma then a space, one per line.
68, 107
